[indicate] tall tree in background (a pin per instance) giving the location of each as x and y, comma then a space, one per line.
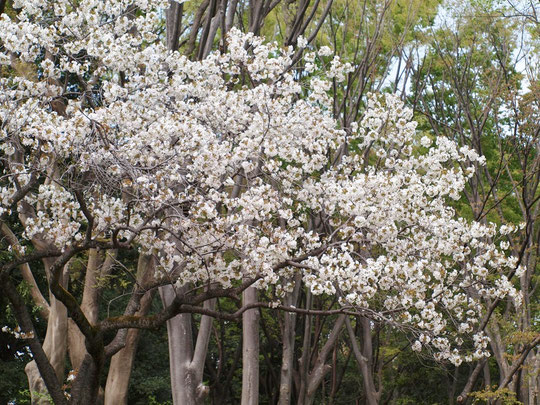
469, 86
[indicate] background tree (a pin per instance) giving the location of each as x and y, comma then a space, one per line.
469, 86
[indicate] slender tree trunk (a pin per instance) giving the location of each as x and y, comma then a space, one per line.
186, 361
174, 24
212, 30
229, 20
499, 350
285, 385
304, 360
287, 359
250, 350
43, 366
534, 379
364, 359
321, 368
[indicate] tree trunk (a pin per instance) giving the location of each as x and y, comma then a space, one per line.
285, 384
287, 359
117, 384
321, 368
180, 351
89, 305
534, 379
304, 360
174, 24
86, 389
116, 388
364, 359
499, 350
54, 346
250, 350
187, 361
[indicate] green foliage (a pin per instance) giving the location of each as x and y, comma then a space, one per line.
13, 378
489, 395
13, 357
25, 398
150, 379
153, 401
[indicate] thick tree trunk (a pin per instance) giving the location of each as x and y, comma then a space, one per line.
54, 346
86, 389
186, 359
180, 352
250, 350
89, 305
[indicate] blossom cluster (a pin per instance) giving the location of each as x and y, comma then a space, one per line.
18, 333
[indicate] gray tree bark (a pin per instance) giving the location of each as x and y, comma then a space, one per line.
54, 346
320, 367
364, 359
287, 359
250, 350
186, 357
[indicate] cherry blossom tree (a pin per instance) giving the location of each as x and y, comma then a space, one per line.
223, 176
